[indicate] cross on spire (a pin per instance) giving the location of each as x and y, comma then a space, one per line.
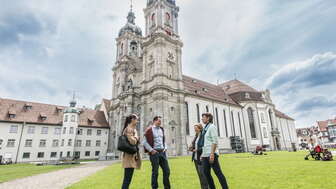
74, 95
73, 101
131, 5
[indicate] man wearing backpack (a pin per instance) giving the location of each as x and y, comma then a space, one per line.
208, 142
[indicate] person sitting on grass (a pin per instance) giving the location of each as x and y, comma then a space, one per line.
258, 151
318, 151
315, 153
327, 155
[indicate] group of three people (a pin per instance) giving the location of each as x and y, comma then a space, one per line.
204, 148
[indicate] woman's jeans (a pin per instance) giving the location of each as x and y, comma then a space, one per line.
127, 177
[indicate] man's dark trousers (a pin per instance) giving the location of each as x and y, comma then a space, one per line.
216, 167
160, 160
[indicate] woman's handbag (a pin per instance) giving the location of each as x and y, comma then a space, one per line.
125, 146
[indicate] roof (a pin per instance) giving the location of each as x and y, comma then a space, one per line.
235, 86
97, 117
323, 125
206, 90
52, 113
302, 132
130, 26
107, 103
282, 115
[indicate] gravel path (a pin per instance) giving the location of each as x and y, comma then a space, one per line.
57, 179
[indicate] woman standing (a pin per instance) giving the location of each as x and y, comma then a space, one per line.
196, 156
130, 161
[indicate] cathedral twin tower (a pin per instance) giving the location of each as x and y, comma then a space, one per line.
147, 75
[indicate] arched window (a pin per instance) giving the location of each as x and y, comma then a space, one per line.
153, 19
198, 113
134, 48
167, 18
217, 122
73, 118
251, 123
270, 117
265, 132
187, 122
233, 124
226, 131
121, 50
262, 115
240, 128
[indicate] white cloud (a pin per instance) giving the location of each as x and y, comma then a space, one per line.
306, 89
318, 70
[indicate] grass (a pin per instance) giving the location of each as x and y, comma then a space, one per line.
15, 171
277, 170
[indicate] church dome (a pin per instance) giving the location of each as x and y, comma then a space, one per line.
149, 2
171, 1
72, 108
130, 26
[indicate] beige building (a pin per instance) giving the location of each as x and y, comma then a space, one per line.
40, 132
148, 80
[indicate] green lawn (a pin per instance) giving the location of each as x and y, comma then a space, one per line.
14, 171
277, 170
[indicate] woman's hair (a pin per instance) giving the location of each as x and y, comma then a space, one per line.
129, 120
199, 126
208, 115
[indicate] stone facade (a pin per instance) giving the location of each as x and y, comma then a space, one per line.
148, 81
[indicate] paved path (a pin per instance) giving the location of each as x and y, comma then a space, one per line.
57, 179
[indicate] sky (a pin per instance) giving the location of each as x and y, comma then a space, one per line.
50, 49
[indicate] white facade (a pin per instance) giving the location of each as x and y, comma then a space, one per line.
37, 142
236, 123
25, 141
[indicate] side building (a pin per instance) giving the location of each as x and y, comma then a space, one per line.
240, 111
307, 137
327, 133
323, 133
40, 132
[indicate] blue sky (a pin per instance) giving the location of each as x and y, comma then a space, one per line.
50, 48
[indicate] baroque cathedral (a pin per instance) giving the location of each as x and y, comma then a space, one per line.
148, 81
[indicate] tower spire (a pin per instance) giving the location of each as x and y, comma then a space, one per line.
73, 101
131, 16
131, 5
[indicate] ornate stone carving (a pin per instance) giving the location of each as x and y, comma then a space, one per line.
171, 56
